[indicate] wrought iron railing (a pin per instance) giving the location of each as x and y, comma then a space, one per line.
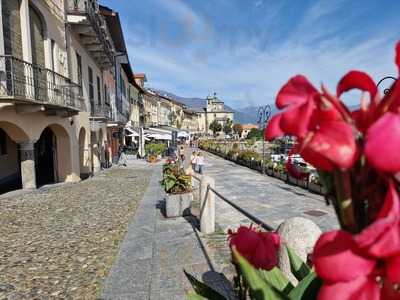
90, 8
101, 111
24, 81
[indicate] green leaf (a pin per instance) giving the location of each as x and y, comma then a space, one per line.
203, 290
307, 289
277, 279
259, 288
194, 296
299, 268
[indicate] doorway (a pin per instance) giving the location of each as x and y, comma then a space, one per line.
46, 158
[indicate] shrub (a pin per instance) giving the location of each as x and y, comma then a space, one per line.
175, 181
155, 148
248, 154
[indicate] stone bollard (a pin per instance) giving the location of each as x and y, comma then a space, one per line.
207, 205
300, 235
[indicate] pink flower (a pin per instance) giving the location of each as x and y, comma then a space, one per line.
318, 120
365, 266
259, 248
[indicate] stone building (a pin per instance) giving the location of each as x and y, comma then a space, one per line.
64, 81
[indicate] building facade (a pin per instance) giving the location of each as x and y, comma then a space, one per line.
64, 83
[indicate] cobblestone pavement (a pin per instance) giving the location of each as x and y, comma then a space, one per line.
154, 253
60, 242
268, 198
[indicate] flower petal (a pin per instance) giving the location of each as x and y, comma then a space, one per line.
393, 269
382, 237
298, 90
295, 120
273, 129
383, 143
335, 142
362, 288
356, 80
336, 258
398, 55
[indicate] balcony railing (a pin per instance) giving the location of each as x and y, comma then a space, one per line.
26, 82
90, 9
101, 112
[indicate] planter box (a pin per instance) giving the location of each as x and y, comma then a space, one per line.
131, 156
292, 180
316, 188
178, 205
283, 176
269, 171
303, 183
276, 174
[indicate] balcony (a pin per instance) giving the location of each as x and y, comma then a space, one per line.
85, 18
24, 83
101, 113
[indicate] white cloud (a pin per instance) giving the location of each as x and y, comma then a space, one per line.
181, 11
248, 75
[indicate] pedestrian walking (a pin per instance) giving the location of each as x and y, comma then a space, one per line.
193, 160
200, 162
122, 157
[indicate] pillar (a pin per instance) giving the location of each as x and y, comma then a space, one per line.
207, 205
28, 173
96, 158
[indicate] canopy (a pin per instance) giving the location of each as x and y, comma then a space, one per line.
158, 136
183, 134
132, 132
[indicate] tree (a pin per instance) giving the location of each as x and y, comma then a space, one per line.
228, 126
215, 126
238, 129
255, 133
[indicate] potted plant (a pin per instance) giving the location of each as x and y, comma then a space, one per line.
178, 188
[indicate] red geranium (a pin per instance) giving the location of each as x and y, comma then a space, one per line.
258, 247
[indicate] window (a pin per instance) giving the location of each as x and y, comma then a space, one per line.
79, 72
106, 95
98, 91
91, 90
53, 55
3, 142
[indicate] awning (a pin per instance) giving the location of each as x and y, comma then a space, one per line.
183, 134
132, 132
157, 136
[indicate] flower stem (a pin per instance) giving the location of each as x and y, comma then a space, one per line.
343, 194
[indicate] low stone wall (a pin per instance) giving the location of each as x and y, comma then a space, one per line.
255, 165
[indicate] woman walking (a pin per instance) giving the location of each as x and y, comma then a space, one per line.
193, 160
200, 162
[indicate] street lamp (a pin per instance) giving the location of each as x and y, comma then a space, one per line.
385, 91
264, 113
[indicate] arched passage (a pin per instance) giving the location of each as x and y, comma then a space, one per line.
52, 155
84, 161
10, 160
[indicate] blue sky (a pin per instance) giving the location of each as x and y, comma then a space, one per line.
246, 49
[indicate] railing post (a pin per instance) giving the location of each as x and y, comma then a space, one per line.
207, 205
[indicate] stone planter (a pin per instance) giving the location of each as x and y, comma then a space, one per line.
292, 180
269, 171
276, 174
131, 156
283, 176
316, 188
302, 183
178, 205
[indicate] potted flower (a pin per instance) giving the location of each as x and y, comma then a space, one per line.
178, 188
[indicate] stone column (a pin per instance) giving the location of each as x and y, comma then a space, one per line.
96, 158
28, 173
207, 205
1, 31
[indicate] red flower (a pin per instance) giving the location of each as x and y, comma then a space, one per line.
318, 120
366, 266
259, 248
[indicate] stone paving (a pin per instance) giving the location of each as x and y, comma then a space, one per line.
155, 252
60, 242
268, 198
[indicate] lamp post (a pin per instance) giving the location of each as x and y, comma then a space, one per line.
264, 113
385, 91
